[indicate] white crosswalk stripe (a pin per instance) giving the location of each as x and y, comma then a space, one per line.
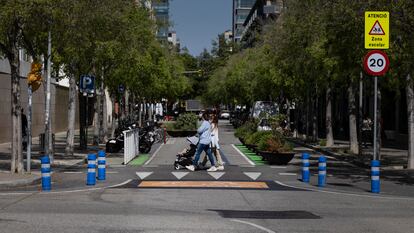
253, 175
143, 175
216, 175
179, 175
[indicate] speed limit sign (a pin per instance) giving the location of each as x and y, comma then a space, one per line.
376, 63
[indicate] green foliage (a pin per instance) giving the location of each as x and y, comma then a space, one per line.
246, 129
186, 121
255, 138
274, 143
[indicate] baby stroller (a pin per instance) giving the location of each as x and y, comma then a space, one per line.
185, 158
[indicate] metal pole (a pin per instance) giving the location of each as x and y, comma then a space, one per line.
375, 116
47, 110
29, 130
361, 117
86, 137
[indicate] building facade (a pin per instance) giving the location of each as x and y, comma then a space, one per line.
241, 9
161, 9
260, 14
58, 108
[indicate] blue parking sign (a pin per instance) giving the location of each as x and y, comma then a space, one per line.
87, 84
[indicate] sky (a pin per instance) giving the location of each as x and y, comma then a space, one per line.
198, 22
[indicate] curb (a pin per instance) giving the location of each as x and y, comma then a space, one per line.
342, 157
20, 182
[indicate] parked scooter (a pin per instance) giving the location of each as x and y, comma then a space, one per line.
146, 138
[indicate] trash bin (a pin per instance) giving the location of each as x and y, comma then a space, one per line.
42, 141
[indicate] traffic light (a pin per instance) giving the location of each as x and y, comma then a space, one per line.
34, 78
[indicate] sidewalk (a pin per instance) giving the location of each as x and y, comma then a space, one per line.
352, 172
61, 161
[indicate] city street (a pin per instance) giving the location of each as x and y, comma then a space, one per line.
243, 198
105, 104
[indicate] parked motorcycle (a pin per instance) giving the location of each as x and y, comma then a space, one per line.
146, 137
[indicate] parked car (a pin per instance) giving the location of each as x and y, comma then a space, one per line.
225, 115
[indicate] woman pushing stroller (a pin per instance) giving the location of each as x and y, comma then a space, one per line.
204, 132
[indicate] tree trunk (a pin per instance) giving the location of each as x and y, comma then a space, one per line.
307, 117
126, 103
353, 138
96, 120
329, 131
410, 111
17, 155
288, 117
315, 119
70, 135
140, 114
83, 108
114, 116
102, 115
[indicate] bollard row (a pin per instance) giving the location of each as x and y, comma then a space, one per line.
321, 169
91, 175
375, 172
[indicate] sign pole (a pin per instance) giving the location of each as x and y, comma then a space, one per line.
29, 131
375, 117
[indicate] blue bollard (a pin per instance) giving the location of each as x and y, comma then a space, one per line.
101, 165
91, 176
375, 176
305, 168
45, 169
322, 171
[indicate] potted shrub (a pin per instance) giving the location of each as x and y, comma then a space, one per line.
186, 125
275, 149
245, 130
253, 140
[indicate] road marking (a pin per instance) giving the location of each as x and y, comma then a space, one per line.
287, 174
110, 172
345, 193
179, 175
278, 167
121, 184
244, 156
153, 155
216, 175
117, 165
254, 225
143, 175
73, 172
203, 184
253, 175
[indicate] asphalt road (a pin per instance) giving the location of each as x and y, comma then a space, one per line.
283, 205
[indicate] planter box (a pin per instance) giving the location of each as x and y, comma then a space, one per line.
277, 158
251, 147
181, 133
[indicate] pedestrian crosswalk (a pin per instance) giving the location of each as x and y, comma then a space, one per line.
199, 176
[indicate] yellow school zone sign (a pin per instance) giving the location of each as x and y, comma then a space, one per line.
377, 30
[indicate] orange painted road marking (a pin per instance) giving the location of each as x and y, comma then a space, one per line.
203, 184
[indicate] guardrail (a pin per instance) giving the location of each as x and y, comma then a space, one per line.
131, 144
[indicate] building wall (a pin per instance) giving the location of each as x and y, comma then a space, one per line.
241, 9
59, 108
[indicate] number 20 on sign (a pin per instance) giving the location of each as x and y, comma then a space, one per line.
376, 63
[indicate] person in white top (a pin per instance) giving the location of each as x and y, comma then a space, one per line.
215, 146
